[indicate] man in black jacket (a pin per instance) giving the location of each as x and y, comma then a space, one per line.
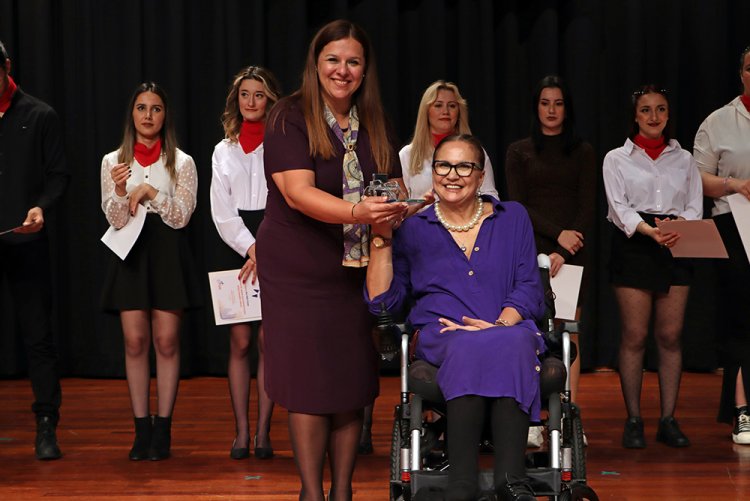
33, 178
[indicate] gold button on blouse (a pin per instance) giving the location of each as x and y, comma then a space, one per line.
471, 273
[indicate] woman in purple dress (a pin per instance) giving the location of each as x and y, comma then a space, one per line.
322, 144
469, 265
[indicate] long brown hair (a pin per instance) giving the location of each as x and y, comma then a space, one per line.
366, 98
422, 147
231, 119
167, 133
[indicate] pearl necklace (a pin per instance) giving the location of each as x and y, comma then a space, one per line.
463, 227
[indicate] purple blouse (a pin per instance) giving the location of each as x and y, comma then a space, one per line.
431, 271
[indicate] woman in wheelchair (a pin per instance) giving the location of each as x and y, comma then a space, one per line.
468, 265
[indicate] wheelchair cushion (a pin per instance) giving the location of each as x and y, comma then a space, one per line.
423, 381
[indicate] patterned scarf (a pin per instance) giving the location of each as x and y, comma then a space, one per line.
356, 238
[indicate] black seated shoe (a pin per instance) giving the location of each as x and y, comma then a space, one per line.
45, 445
239, 452
142, 440
515, 489
632, 436
161, 439
261, 452
670, 434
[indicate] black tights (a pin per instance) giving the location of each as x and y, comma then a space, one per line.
312, 436
510, 427
635, 310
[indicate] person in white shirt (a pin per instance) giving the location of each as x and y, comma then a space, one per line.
648, 180
238, 200
442, 112
722, 151
157, 280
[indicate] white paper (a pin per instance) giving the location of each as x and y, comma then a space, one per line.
566, 285
699, 238
11, 230
741, 211
122, 240
233, 301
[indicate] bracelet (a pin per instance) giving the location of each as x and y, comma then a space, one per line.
353, 216
725, 183
503, 322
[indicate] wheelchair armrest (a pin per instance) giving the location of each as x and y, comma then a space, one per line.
554, 343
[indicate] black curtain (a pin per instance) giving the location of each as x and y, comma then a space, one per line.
84, 57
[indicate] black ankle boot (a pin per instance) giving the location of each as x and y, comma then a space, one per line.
45, 445
161, 438
142, 441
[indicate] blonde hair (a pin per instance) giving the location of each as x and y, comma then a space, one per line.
231, 118
422, 146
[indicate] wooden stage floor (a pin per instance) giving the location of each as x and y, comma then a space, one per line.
95, 434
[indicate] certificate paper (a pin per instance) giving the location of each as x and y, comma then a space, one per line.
233, 301
566, 285
122, 240
698, 238
741, 211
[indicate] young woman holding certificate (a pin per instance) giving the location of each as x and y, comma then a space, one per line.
152, 286
238, 200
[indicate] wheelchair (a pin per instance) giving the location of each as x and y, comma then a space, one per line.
417, 458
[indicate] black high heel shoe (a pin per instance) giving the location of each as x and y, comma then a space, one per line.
261, 452
239, 452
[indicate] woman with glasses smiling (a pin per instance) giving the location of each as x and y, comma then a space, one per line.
468, 263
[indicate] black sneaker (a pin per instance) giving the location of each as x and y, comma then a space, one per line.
45, 445
632, 435
741, 431
516, 489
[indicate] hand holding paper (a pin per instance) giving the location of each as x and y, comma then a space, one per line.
122, 240
698, 238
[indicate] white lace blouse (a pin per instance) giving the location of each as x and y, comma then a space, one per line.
175, 201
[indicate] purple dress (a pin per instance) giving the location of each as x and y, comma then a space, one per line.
432, 271
319, 354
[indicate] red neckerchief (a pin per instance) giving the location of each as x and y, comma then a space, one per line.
251, 135
746, 101
653, 147
145, 155
7, 95
436, 138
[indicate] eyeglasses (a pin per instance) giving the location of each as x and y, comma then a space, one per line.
463, 169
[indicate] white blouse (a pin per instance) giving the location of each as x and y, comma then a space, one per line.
722, 146
634, 183
174, 202
422, 183
237, 183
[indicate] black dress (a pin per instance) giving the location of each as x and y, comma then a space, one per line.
319, 352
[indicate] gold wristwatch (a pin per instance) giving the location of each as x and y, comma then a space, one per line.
380, 242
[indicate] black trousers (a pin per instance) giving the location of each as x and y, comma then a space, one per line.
26, 266
733, 332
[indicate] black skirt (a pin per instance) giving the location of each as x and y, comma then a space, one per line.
641, 263
158, 273
226, 258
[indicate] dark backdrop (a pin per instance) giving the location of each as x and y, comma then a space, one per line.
85, 57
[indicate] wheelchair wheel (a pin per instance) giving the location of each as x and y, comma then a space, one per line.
573, 438
397, 490
579, 492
